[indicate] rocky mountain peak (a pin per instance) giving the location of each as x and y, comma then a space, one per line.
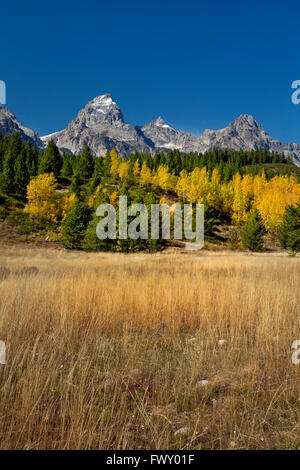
102, 109
10, 124
246, 120
160, 122
100, 124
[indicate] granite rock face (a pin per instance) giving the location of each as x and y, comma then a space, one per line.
9, 124
99, 124
247, 134
164, 137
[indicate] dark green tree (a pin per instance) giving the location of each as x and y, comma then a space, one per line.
8, 175
21, 173
252, 234
51, 160
75, 224
289, 232
85, 166
76, 185
67, 168
31, 159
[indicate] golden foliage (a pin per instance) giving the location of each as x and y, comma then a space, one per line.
145, 176
123, 170
136, 168
42, 198
114, 198
115, 161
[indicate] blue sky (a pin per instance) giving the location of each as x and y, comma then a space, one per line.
199, 64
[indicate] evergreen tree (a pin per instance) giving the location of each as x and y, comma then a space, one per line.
107, 164
289, 232
97, 176
8, 176
75, 224
76, 185
31, 159
92, 243
252, 234
22, 177
211, 219
67, 168
1, 152
51, 161
85, 165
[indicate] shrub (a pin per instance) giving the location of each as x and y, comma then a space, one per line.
92, 243
17, 218
3, 213
234, 240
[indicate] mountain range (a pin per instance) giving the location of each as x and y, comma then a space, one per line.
100, 124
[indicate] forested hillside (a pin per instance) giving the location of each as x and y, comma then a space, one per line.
56, 195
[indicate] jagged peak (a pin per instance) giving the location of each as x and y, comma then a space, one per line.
101, 108
246, 119
159, 122
102, 100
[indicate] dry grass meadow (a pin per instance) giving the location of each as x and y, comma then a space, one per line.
108, 351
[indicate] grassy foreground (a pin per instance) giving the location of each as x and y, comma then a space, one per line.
108, 351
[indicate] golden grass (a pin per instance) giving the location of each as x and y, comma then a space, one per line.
105, 351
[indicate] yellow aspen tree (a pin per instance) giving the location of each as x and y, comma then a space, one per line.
67, 202
279, 192
136, 168
214, 198
163, 177
239, 206
93, 197
182, 184
145, 175
113, 198
42, 197
114, 165
227, 197
123, 170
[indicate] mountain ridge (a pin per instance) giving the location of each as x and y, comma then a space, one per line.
109, 130
10, 124
100, 124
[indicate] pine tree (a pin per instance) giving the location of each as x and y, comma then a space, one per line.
31, 159
21, 172
67, 168
252, 234
76, 185
92, 243
14, 150
289, 232
107, 164
85, 165
75, 224
51, 161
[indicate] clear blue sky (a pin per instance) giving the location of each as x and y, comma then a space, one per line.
199, 64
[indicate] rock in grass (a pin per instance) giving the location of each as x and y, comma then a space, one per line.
182, 431
202, 383
221, 342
